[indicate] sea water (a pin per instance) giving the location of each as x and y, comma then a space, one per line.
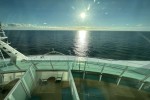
123, 45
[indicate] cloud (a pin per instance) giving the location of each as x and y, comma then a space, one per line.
139, 25
4, 25
73, 7
106, 13
44, 23
113, 27
14, 25
18, 26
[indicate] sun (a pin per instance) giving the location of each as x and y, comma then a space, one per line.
82, 15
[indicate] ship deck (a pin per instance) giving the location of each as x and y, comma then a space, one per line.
93, 78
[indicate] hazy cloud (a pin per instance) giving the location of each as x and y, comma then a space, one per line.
106, 13
73, 7
17, 26
139, 25
44, 23
14, 25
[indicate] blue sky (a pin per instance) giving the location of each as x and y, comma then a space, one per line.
66, 13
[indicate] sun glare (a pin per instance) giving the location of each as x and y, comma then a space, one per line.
82, 15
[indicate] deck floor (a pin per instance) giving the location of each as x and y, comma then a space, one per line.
95, 90
88, 90
51, 91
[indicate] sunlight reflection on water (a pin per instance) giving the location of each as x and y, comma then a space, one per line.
81, 43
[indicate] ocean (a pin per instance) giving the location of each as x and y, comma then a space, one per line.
122, 45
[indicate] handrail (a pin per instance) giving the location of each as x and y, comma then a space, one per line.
73, 87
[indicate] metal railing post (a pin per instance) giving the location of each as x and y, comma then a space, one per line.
100, 77
51, 65
3, 58
143, 82
84, 70
141, 86
120, 76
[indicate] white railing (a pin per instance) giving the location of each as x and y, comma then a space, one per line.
21, 91
72, 86
119, 68
89, 59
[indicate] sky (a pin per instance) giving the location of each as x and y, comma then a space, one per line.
127, 14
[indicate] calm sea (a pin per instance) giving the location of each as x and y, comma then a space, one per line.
101, 44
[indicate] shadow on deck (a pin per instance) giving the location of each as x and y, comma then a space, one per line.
52, 90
